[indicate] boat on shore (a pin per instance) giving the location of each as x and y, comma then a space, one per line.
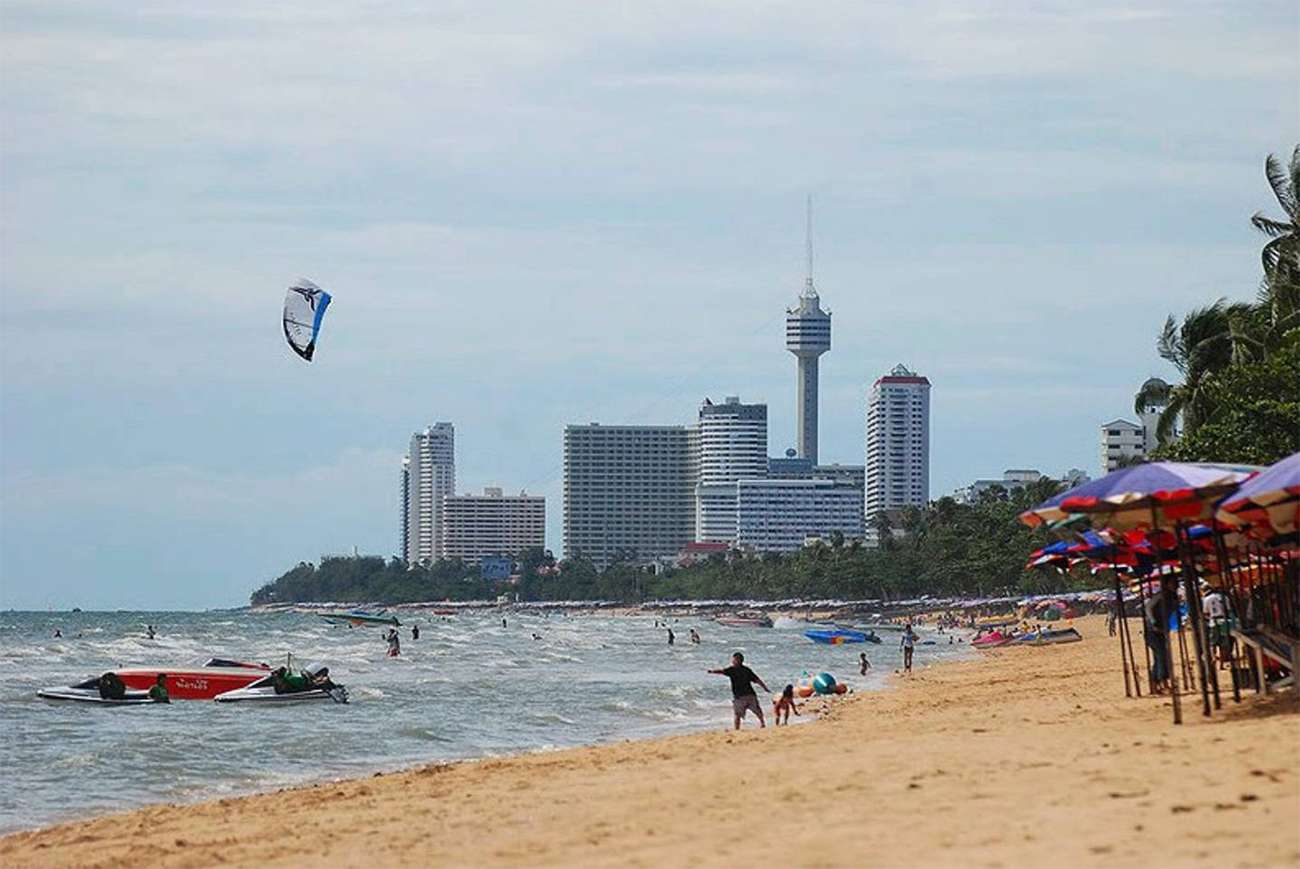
357, 618
745, 619
1049, 637
994, 639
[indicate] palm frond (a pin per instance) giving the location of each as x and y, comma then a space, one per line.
1282, 182
1169, 344
1270, 227
1167, 425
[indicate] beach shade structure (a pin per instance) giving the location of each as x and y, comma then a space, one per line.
1153, 494
1268, 502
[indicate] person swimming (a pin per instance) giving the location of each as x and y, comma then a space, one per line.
149, 631
695, 637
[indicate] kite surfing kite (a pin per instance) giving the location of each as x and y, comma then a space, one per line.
304, 309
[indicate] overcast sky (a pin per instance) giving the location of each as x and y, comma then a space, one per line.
531, 214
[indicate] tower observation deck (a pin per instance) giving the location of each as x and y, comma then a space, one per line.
807, 336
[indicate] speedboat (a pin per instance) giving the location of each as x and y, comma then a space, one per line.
993, 640
746, 619
215, 676
1049, 638
357, 618
88, 692
272, 689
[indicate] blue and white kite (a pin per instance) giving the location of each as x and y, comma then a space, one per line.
304, 308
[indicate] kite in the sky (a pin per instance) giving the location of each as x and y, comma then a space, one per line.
304, 308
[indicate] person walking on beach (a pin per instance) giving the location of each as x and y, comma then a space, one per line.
908, 644
743, 698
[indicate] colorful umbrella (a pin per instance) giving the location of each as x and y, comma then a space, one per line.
1270, 499
1156, 493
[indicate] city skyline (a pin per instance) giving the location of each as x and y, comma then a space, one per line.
590, 217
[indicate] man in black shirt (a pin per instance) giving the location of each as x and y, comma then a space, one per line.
743, 698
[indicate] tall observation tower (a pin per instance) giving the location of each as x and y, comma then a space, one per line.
807, 336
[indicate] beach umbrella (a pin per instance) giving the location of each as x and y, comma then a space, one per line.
1151, 494
1270, 499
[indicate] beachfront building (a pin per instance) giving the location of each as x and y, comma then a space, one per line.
1122, 443
475, 527
1012, 480
629, 491
429, 475
781, 515
898, 445
732, 439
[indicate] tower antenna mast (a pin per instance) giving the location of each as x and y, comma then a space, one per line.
808, 283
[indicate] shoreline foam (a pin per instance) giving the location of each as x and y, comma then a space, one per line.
1020, 754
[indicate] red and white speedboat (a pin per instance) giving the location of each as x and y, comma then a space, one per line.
216, 676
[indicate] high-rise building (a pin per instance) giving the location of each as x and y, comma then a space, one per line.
475, 527
807, 336
406, 506
898, 444
732, 440
782, 515
1122, 442
430, 477
629, 491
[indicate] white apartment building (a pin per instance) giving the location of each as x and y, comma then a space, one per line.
429, 475
1012, 480
780, 515
475, 527
732, 443
898, 444
1121, 441
629, 491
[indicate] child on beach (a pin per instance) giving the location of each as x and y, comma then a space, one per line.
863, 664
782, 705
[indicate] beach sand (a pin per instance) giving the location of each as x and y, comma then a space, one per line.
1021, 756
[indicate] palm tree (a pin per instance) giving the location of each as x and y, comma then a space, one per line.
1275, 318
1199, 346
1281, 256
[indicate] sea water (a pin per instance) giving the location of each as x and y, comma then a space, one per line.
468, 688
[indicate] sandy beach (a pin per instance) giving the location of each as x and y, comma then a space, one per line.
1020, 755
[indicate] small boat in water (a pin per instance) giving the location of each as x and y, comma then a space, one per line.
356, 618
311, 685
837, 637
186, 682
745, 619
88, 692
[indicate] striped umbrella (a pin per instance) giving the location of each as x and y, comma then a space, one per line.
1153, 494
1269, 500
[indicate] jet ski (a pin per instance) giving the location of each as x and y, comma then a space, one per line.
311, 685
89, 692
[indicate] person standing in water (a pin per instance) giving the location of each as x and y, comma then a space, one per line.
908, 644
415, 632
743, 698
695, 637
672, 638
394, 643
863, 664
149, 631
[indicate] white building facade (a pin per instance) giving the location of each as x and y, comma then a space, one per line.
781, 515
475, 527
732, 442
897, 444
629, 491
429, 475
1122, 442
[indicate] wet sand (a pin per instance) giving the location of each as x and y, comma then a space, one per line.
1022, 755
